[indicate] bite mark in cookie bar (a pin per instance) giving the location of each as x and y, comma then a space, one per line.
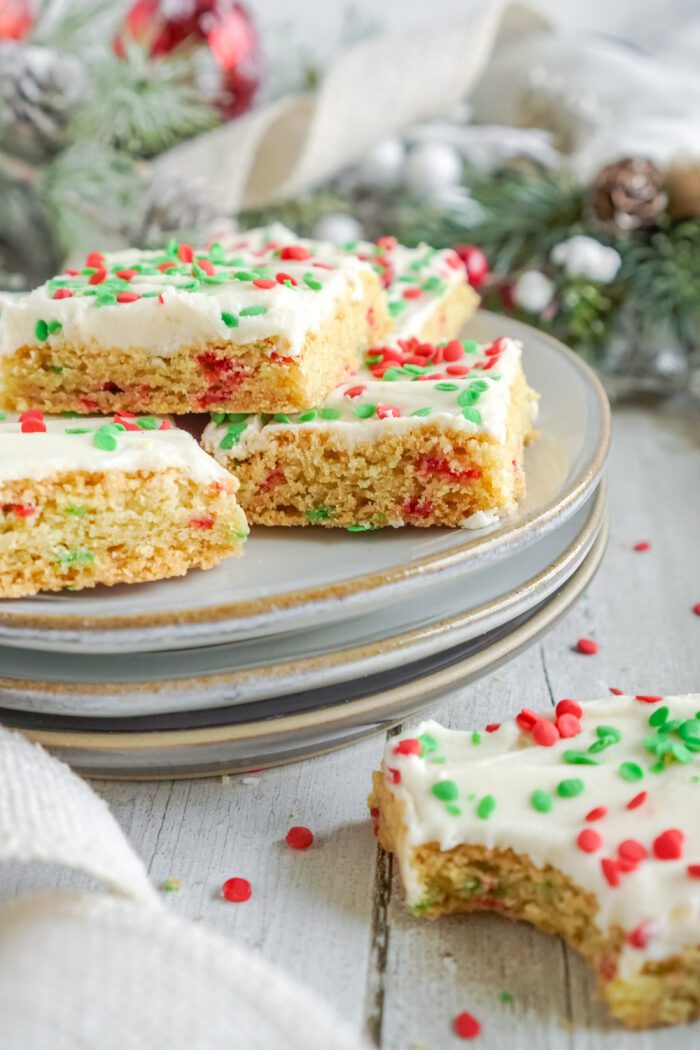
260, 326
425, 435
88, 501
581, 822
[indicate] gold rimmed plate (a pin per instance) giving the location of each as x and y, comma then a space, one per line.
291, 579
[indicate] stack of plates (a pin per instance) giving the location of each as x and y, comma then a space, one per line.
316, 637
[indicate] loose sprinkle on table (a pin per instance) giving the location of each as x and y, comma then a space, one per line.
466, 1026
587, 646
299, 837
236, 890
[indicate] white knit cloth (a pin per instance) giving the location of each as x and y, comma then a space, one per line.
113, 970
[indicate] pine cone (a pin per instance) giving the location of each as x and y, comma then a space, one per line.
628, 194
40, 91
174, 206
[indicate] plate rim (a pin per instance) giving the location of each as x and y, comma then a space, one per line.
425, 568
482, 662
353, 656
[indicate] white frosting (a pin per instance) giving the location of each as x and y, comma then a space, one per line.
180, 309
659, 895
40, 455
487, 391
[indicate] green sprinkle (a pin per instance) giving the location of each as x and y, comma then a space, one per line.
470, 346
396, 306
148, 422
630, 771
318, 514
105, 440
365, 410
434, 284
415, 370
171, 885
472, 414
78, 430
659, 716
486, 807
253, 311
680, 753
391, 375
570, 788
312, 282
232, 436
446, 386
445, 790
579, 758
333, 413
468, 397
362, 526
422, 411
78, 512
428, 743
230, 320
54, 326
476, 737
505, 997
541, 800
80, 556
41, 330
689, 732
216, 252
244, 275
307, 417
105, 299
609, 733
3, 415
453, 810
280, 417
238, 535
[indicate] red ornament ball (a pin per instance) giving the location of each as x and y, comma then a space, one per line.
236, 890
223, 27
15, 19
299, 837
475, 263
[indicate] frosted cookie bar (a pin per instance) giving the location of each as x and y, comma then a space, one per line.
426, 434
582, 821
256, 326
88, 501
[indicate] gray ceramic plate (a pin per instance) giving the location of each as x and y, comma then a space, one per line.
248, 672
289, 728
293, 578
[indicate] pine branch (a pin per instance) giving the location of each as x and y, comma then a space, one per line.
144, 106
77, 26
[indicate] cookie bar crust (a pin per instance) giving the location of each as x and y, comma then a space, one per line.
431, 474
79, 529
56, 376
470, 878
449, 315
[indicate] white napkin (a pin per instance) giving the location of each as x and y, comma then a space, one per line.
115, 971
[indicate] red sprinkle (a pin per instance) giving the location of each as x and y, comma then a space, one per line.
526, 719
23, 510
615, 692
299, 837
466, 1026
128, 297
640, 935
355, 391
295, 251
93, 259
126, 275
236, 890
568, 725
632, 849
611, 871
201, 523
166, 266
63, 293
33, 425
669, 844
589, 840
412, 293
394, 775
185, 253
568, 707
388, 412
644, 545
587, 646
165, 425
411, 746
492, 727
649, 699
453, 351
638, 800
597, 814
694, 871
545, 733
282, 277
98, 276
208, 267
263, 282
696, 608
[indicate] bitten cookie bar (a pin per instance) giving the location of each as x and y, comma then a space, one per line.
259, 326
426, 435
88, 501
583, 822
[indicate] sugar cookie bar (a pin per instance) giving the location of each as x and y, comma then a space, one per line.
582, 821
427, 434
428, 295
88, 501
259, 326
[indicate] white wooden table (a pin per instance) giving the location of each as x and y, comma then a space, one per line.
334, 916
